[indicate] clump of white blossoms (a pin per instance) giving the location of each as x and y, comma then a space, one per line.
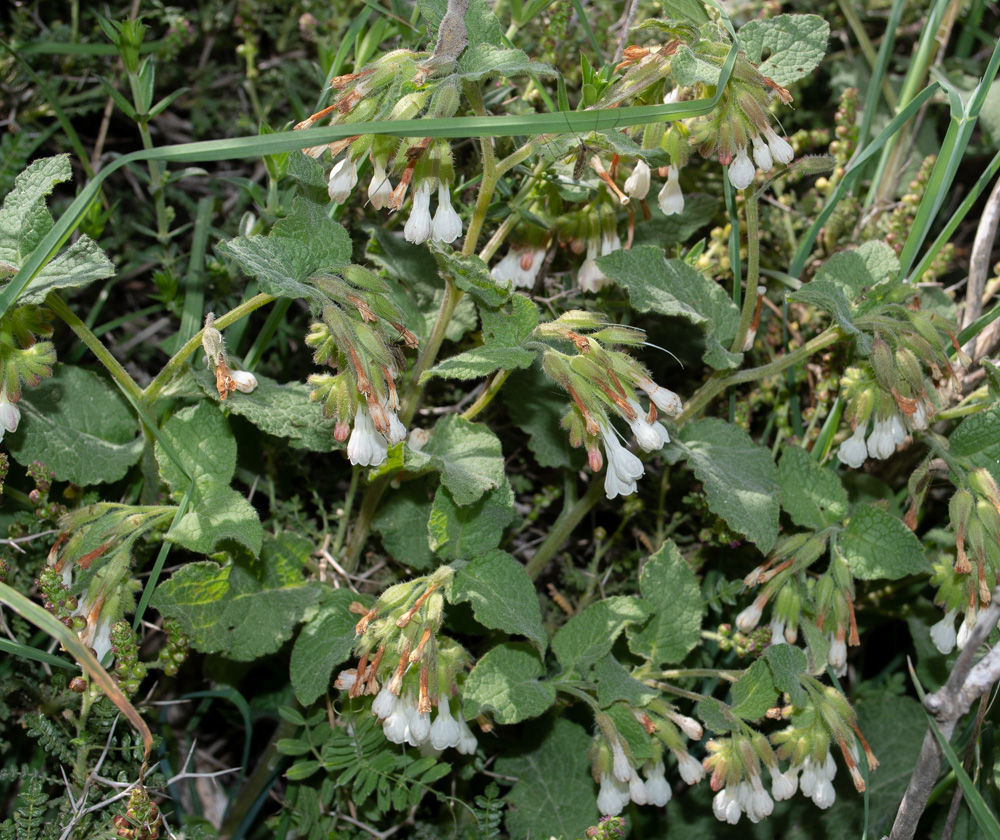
520, 265
605, 383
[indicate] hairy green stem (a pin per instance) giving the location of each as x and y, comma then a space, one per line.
563, 527
719, 382
172, 367
489, 392
126, 382
345, 517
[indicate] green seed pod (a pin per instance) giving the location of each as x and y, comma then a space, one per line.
977, 537
960, 510
985, 485
882, 364
909, 368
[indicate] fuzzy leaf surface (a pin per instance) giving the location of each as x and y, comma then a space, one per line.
467, 455
812, 495
282, 410
672, 287
201, 438
226, 609
555, 795
217, 513
754, 693
324, 642
877, 546
590, 635
502, 596
740, 478
79, 426
401, 521
506, 682
614, 683
795, 43
669, 588
458, 533
306, 243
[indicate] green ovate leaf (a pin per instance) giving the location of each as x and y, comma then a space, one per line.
79, 426
467, 455
672, 287
812, 495
714, 714
470, 274
324, 642
794, 44
741, 480
238, 610
877, 545
857, 271
787, 662
754, 693
284, 411
824, 295
555, 795
505, 682
215, 514
501, 594
200, 437
481, 361
401, 521
672, 593
458, 533
487, 62
590, 635
24, 222
977, 439
614, 683
306, 243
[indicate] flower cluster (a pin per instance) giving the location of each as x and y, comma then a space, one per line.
827, 718
520, 265
356, 337
423, 164
891, 389
604, 383
616, 773
405, 623
974, 511
735, 765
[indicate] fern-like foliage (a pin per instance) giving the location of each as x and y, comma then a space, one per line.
28, 820
50, 737
367, 764
488, 812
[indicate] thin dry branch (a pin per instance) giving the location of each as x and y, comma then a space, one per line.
966, 683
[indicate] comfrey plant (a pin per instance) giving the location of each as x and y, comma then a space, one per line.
597, 437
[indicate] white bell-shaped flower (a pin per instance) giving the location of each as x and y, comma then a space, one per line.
613, 796
670, 198
245, 381
761, 154
741, 170
379, 189
637, 184
418, 227
384, 703
690, 768
781, 149
343, 179
447, 225
444, 731
853, 451
882, 440
366, 447
658, 791
590, 277
943, 633
623, 468
10, 414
